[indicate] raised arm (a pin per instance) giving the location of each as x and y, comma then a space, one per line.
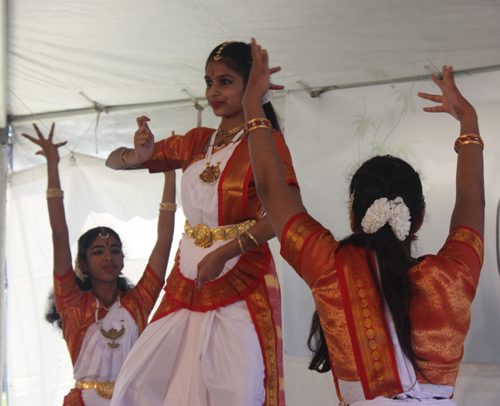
470, 201
280, 201
159, 256
60, 236
144, 144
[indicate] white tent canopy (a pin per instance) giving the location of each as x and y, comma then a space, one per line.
129, 52
94, 66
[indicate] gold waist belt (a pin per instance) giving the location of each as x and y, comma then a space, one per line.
205, 236
103, 389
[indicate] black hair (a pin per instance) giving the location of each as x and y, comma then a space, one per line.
389, 177
84, 243
238, 57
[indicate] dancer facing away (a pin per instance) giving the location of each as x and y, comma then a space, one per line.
390, 325
220, 344
101, 314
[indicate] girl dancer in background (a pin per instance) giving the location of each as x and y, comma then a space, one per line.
100, 313
220, 344
391, 327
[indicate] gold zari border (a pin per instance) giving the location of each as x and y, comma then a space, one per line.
371, 339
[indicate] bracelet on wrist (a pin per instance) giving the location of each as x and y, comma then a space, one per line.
168, 207
255, 123
123, 159
252, 238
51, 192
240, 243
468, 139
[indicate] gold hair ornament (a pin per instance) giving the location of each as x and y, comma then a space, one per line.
218, 56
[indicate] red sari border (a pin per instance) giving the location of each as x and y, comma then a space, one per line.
371, 339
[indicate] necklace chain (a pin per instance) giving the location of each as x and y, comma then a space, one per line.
112, 334
224, 134
211, 173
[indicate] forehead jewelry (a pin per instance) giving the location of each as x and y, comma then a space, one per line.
103, 233
218, 56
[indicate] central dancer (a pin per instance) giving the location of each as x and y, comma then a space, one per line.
216, 338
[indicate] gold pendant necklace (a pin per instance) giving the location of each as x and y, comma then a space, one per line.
211, 173
111, 334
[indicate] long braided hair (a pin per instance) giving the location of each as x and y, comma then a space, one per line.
389, 177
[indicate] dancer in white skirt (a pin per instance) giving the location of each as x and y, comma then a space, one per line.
390, 327
216, 338
100, 313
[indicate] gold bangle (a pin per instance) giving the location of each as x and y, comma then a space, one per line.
55, 193
253, 120
252, 238
123, 159
468, 142
168, 207
469, 135
257, 127
241, 245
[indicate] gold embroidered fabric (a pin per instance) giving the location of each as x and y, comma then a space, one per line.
368, 327
238, 200
103, 389
77, 308
310, 249
246, 275
444, 286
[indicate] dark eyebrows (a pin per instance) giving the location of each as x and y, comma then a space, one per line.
225, 75
103, 247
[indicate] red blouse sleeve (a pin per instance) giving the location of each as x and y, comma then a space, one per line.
141, 299
308, 247
66, 291
286, 158
178, 151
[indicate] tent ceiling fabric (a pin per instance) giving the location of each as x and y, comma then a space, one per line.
127, 52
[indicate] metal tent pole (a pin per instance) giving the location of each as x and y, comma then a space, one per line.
3, 174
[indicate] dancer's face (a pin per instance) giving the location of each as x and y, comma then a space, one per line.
105, 259
225, 89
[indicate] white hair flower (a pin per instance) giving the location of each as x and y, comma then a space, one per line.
382, 211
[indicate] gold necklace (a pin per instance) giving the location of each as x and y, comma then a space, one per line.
211, 173
111, 334
222, 143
